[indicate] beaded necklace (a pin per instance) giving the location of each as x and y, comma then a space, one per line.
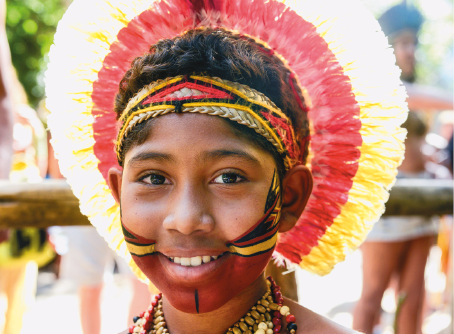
265, 317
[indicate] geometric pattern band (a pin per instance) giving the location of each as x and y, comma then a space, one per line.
216, 97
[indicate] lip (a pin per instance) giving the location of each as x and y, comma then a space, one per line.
196, 274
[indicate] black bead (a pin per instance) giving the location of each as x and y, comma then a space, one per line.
292, 325
135, 319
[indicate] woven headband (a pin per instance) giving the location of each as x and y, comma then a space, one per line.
211, 96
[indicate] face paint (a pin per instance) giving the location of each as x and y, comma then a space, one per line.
234, 271
138, 246
261, 237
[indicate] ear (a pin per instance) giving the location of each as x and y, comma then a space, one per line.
296, 190
115, 175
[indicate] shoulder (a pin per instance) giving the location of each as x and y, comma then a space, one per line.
311, 322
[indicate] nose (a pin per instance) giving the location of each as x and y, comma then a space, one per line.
189, 212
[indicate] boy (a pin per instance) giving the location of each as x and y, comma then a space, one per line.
211, 149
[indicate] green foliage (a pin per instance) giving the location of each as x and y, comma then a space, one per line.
30, 27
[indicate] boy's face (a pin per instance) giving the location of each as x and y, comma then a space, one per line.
192, 189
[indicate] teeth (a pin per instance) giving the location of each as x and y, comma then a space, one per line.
196, 261
185, 261
193, 261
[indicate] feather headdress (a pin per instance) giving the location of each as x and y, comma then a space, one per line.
336, 51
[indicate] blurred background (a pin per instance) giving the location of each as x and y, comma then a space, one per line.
58, 297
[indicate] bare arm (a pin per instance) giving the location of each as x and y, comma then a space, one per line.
6, 105
428, 98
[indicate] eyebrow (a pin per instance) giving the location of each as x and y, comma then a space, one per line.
221, 154
154, 156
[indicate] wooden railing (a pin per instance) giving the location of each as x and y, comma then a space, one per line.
52, 202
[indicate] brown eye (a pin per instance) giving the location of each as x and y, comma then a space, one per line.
155, 179
228, 178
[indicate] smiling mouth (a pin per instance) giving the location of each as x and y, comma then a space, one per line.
194, 261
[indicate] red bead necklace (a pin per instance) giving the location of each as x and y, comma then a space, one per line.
258, 320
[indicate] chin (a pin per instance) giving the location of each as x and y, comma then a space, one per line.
206, 287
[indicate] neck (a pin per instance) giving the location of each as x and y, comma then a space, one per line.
414, 161
217, 321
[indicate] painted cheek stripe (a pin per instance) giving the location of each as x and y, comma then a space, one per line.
261, 237
137, 245
254, 250
140, 250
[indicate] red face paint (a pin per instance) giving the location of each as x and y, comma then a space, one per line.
232, 275
209, 286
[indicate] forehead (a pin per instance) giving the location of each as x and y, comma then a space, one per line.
187, 136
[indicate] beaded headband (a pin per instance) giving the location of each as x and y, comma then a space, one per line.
211, 96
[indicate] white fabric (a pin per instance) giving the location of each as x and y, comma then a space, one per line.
88, 257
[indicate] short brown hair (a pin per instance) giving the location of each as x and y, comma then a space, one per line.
215, 53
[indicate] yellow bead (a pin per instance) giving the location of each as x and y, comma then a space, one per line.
267, 316
261, 309
236, 330
243, 326
274, 306
260, 331
255, 314
264, 302
249, 321
269, 331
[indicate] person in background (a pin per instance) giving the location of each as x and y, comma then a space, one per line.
12, 294
400, 245
6, 106
26, 248
88, 257
401, 25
